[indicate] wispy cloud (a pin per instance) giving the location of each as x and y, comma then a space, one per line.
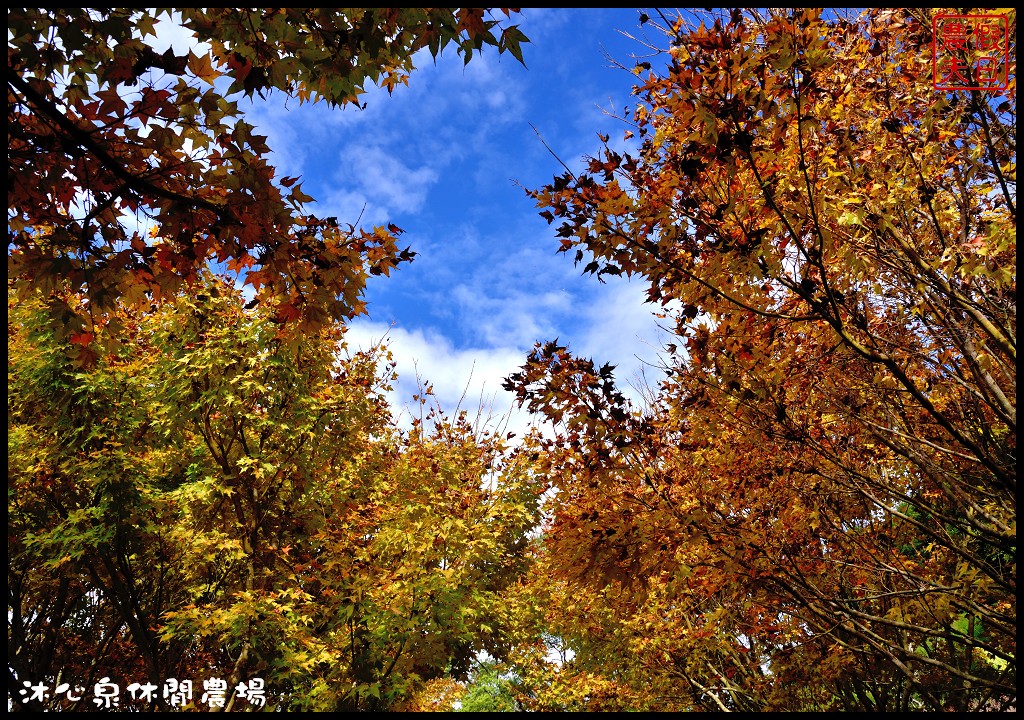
385, 181
467, 379
518, 318
441, 158
620, 328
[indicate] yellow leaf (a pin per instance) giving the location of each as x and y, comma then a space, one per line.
202, 67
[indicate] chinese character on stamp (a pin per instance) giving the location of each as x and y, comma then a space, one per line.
970, 52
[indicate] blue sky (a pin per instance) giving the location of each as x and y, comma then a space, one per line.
446, 159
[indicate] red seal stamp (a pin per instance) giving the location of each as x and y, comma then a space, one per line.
970, 52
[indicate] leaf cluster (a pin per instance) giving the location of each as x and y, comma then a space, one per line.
817, 510
130, 171
209, 500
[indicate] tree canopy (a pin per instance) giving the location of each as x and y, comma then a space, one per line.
101, 127
210, 500
818, 509
814, 510
193, 494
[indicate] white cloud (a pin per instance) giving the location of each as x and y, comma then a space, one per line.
351, 207
136, 222
466, 379
620, 328
388, 181
518, 318
292, 131
610, 323
373, 185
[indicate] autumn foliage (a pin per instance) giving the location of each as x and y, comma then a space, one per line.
818, 509
213, 502
814, 510
130, 170
199, 486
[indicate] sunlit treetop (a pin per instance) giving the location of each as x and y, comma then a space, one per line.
825, 482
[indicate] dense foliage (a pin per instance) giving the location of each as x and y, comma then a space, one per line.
815, 510
818, 510
210, 501
198, 487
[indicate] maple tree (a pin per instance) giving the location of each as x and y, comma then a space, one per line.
213, 502
101, 126
817, 510
193, 492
